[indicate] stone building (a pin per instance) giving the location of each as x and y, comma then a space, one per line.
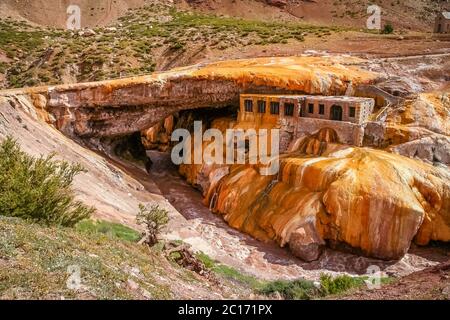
299, 115
349, 109
442, 23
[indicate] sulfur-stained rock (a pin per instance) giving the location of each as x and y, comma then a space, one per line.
371, 200
419, 128
316, 143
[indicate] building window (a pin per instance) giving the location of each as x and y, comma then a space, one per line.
289, 109
311, 108
248, 105
336, 113
321, 109
352, 112
274, 107
261, 106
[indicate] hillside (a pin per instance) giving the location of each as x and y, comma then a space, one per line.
160, 37
414, 14
36, 263
428, 284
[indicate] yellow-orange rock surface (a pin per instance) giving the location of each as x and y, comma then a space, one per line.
428, 113
371, 200
421, 128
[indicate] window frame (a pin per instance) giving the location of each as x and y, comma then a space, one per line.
352, 110
291, 106
262, 105
248, 105
274, 104
322, 109
311, 108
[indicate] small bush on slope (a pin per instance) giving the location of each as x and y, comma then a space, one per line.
340, 284
154, 219
38, 189
388, 29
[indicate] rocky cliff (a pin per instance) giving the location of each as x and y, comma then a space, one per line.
327, 193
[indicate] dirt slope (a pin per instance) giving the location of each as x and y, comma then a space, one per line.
53, 12
409, 14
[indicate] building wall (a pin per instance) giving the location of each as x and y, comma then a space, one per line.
301, 106
445, 25
349, 130
348, 133
267, 118
362, 109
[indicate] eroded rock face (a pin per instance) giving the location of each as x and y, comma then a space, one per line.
430, 111
418, 128
158, 136
306, 243
433, 149
370, 200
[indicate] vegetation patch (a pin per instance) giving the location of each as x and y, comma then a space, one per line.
109, 229
38, 262
38, 189
229, 272
298, 289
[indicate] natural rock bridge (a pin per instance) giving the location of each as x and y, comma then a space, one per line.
124, 106
348, 196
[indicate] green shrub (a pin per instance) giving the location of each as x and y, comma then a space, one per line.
340, 284
388, 29
154, 219
38, 189
177, 46
292, 290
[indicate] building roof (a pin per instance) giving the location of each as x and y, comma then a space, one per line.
310, 97
446, 14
